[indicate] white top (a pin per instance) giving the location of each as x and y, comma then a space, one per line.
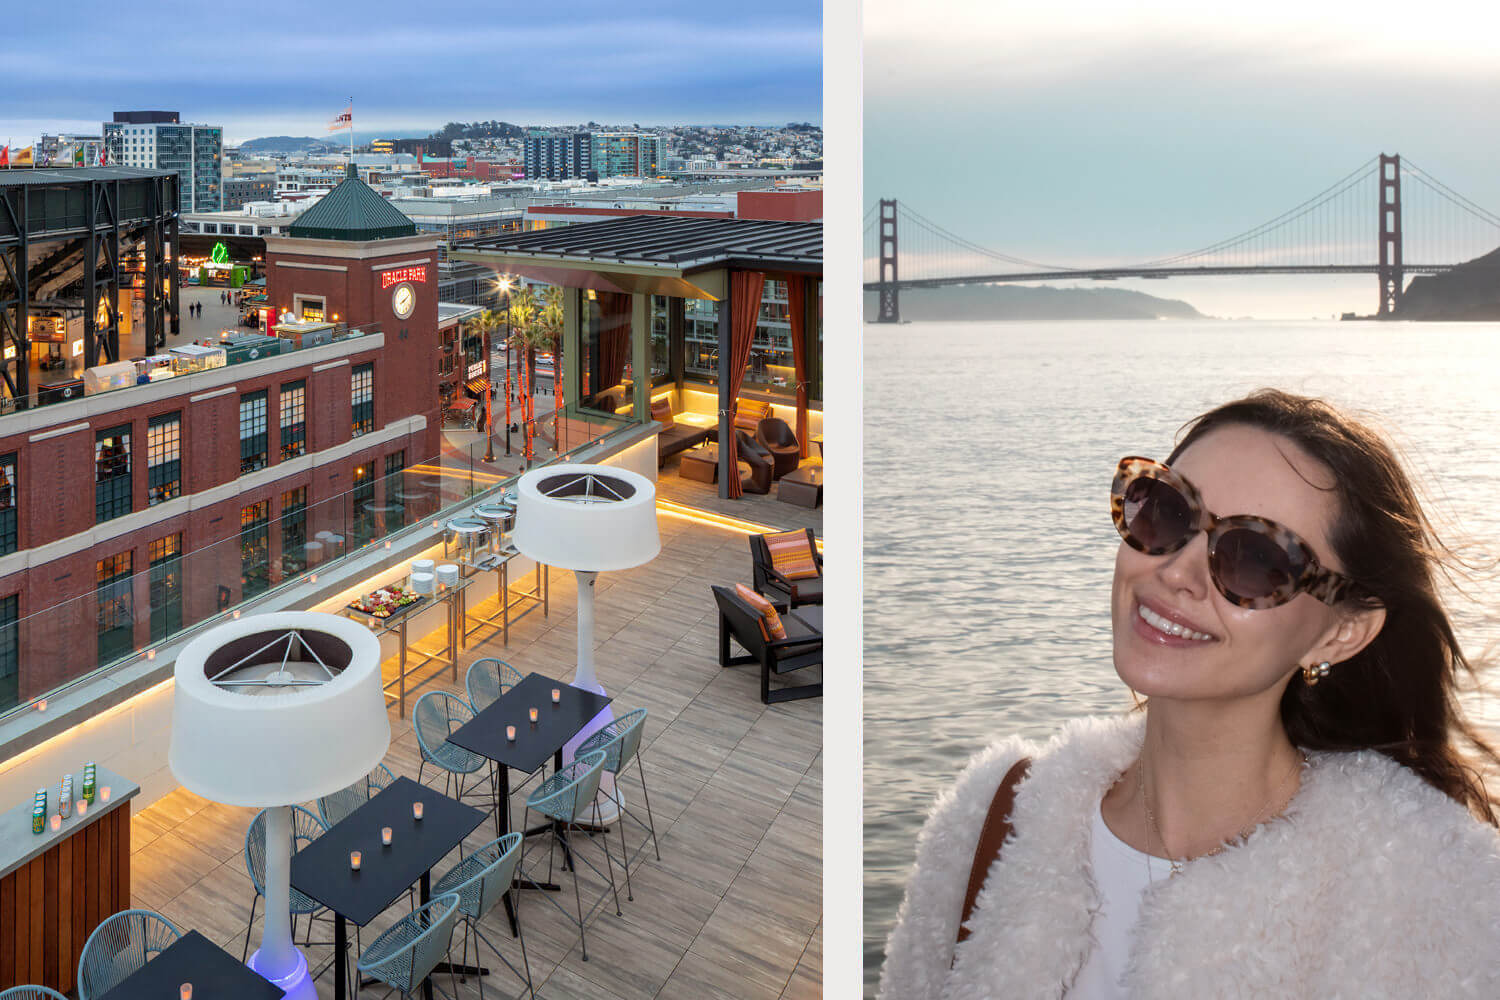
1122, 874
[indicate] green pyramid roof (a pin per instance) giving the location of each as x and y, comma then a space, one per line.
352, 211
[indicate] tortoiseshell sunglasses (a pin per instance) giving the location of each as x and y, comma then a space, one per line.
1254, 562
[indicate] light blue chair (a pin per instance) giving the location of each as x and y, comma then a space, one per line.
487, 679
406, 954
31, 993
118, 947
568, 799
480, 880
305, 829
436, 715
334, 807
620, 742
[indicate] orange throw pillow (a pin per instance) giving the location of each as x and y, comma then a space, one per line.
792, 556
770, 621
661, 412
749, 413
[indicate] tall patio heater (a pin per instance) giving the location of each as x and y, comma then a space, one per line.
589, 519
273, 710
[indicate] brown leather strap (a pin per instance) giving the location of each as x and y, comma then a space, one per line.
996, 828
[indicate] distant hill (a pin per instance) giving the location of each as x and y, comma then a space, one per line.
1471, 291
290, 144
479, 130
1001, 302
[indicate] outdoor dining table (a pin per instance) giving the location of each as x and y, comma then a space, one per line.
321, 870
194, 959
534, 743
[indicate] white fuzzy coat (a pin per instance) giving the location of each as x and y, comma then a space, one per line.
1373, 884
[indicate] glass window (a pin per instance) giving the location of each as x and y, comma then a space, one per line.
293, 419
116, 620
252, 431
395, 510
163, 458
166, 586
362, 396
10, 651
255, 549
363, 499
9, 494
111, 473
294, 531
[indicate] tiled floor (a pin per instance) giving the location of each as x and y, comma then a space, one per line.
733, 909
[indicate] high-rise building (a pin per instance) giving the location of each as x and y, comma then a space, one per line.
626, 154
157, 140
557, 156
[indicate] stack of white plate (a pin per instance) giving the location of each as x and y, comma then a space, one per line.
422, 583
447, 575
422, 566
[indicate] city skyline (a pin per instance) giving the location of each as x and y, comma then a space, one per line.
1115, 135
667, 64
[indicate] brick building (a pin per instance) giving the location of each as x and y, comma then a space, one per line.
128, 515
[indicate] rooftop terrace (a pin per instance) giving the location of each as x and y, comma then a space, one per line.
731, 910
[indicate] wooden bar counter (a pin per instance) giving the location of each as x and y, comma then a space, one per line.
57, 886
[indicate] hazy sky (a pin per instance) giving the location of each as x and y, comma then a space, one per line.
1102, 132
280, 68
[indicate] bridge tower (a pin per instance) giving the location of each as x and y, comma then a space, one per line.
1392, 277
890, 295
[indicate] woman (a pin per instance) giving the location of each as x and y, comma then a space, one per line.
1291, 815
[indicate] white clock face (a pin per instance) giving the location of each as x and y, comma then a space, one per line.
404, 300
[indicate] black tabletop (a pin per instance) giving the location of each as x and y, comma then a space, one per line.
194, 959
534, 744
810, 615
321, 869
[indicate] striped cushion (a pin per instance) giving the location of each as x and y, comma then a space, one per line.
792, 555
770, 621
749, 413
661, 412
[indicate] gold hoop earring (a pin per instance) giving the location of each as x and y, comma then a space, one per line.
1311, 675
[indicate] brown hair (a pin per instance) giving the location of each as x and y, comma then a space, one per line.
1398, 695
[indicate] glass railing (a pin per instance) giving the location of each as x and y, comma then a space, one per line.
127, 618
69, 385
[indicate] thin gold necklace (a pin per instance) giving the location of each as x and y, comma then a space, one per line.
1244, 830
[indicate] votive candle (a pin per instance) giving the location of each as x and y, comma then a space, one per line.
354, 858
556, 695
56, 822
416, 810
533, 715
385, 836
510, 733
186, 991
83, 806
104, 793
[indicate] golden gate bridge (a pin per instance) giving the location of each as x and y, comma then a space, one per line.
1367, 222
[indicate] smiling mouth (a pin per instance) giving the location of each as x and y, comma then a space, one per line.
1168, 627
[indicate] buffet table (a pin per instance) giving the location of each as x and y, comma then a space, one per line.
451, 596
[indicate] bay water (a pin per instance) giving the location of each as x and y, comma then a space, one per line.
988, 545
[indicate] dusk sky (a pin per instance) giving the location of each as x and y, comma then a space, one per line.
1102, 132
286, 69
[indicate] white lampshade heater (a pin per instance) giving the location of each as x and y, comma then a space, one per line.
269, 711
589, 519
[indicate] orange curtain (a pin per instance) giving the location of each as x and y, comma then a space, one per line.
796, 301
614, 338
745, 289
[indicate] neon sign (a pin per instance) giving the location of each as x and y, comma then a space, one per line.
220, 254
400, 274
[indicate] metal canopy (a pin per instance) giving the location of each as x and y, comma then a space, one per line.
652, 254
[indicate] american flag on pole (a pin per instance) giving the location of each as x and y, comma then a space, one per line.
344, 120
